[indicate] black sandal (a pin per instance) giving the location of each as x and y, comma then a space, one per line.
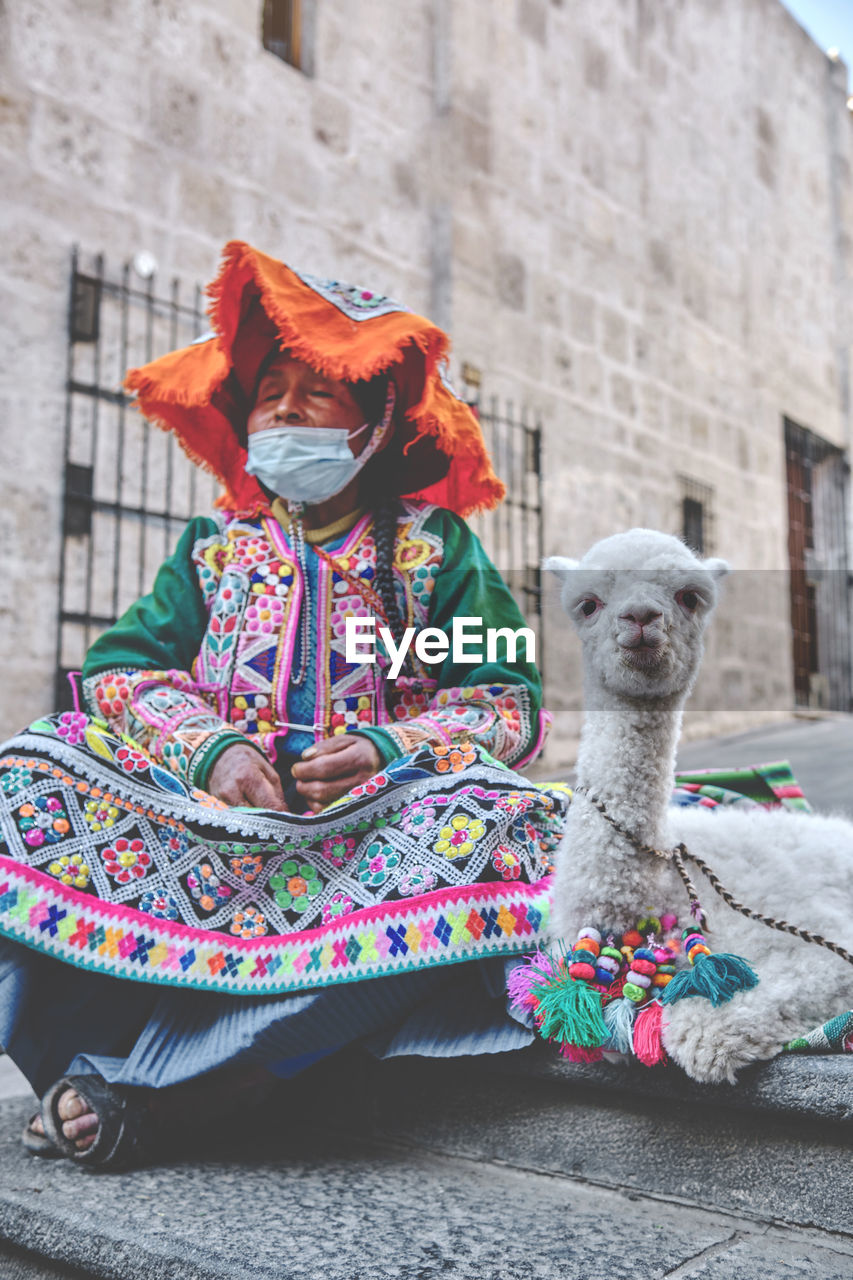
38, 1144
124, 1133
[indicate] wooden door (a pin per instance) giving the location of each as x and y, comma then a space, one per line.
820, 588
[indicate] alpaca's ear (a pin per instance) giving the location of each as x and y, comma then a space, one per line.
716, 567
560, 565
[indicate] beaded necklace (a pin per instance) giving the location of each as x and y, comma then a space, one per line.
295, 510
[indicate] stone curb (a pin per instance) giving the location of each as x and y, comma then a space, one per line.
293, 1204
812, 1086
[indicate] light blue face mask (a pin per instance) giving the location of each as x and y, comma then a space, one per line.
304, 464
311, 464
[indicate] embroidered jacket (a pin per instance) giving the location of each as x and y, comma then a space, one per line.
207, 658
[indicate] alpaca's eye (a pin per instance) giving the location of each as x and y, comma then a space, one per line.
588, 608
689, 600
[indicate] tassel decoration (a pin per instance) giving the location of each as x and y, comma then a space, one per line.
533, 972
606, 993
647, 1035
619, 1021
714, 977
578, 1053
570, 1011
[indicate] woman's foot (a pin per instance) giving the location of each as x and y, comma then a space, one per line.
79, 1122
106, 1125
95, 1123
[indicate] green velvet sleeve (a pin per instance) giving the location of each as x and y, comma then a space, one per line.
138, 675
470, 586
496, 704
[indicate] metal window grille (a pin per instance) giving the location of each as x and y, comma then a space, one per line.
129, 489
697, 515
513, 534
281, 30
693, 521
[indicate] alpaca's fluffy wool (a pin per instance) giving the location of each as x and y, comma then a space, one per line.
640, 602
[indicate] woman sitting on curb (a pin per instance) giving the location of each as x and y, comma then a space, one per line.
255, 846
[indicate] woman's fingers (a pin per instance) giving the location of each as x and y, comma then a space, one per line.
326, 792
338, 742
243, 776
328, 775
262, 792
328, 758
355, 755
327, 771
328, 765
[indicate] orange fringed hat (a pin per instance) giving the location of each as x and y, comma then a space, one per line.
203, 391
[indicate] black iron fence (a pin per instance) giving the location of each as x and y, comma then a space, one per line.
513, 534
129, 489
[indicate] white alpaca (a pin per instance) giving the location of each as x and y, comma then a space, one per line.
640, 602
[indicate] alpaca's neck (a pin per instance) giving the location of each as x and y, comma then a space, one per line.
627, 759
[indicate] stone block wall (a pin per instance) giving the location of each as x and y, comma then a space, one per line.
130, 125
666, 196
634, 216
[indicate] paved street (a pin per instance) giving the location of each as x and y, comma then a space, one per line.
820, 752
12, 1083
819, 749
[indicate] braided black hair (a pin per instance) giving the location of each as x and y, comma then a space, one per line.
385, 536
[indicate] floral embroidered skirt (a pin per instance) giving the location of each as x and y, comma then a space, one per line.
113, 866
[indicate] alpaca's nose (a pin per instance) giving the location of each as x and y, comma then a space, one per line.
642, 617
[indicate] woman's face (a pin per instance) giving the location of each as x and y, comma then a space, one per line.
292, 394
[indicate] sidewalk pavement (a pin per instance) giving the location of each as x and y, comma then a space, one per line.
517, 1166
416, 1171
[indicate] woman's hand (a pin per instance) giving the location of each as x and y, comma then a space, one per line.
242, 775
330, 768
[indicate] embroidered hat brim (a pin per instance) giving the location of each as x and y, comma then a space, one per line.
438, 452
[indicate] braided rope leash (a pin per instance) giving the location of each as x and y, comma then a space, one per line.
680, 853
782, 925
